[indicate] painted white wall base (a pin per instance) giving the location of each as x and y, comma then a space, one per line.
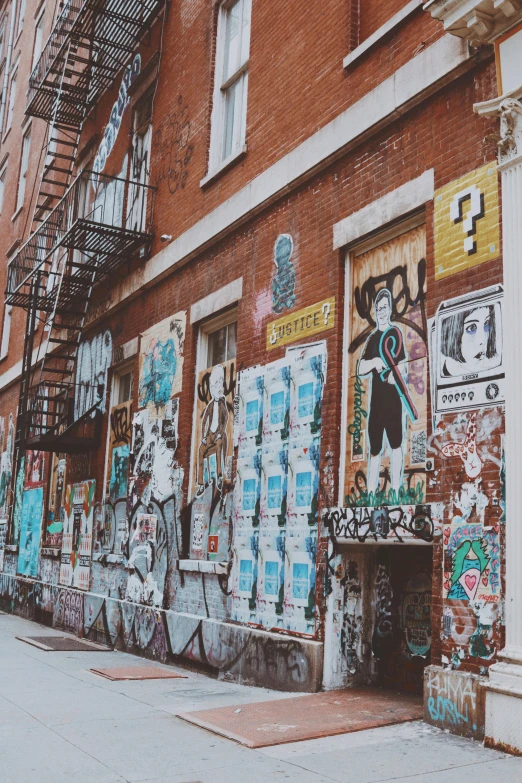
504, 707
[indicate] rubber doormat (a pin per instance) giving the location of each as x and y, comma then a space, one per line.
308, 717
62, 644
139, 673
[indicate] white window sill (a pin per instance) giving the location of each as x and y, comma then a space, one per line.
224, 165
11, 547
17, 213
203, 566
386, 28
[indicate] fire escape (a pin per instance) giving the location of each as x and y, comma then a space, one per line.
84, 228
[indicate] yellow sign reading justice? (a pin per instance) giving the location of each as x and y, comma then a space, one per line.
303, 323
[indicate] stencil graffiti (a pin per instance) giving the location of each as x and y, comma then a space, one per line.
283, 282
94, 360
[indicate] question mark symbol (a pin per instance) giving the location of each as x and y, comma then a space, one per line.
326, 310
476, 212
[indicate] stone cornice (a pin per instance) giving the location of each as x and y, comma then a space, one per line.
508, 108
479, 21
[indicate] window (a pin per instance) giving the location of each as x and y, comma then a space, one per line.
24, 166
21, 17
3, 28
231, 83
38, 38
3, 173
141, 145
12, 99
6, 332
221, 344
123, 387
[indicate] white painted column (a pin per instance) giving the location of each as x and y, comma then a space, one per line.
504, 688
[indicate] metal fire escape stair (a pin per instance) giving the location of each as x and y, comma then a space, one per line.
82, 229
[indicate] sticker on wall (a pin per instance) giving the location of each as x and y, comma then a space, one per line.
283, 282
466, 222
301, 325
468, 357
77, 537
387, 374
30, 532
161, 363
34, 469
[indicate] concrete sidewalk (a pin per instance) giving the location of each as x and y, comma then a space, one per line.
61, 724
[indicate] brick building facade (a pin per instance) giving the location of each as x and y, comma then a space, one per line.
254, 323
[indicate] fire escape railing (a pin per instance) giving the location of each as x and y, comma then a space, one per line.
100, 223
105, 219
105, 33
83, 229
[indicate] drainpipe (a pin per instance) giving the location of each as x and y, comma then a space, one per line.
8, 59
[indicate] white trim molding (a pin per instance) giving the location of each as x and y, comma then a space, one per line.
480, 21
383, 30
217, 300
396, 204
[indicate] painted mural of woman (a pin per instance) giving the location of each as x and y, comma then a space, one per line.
469, 342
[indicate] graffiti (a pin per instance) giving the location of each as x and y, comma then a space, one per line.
55, 512
18, 500
94, 360
3, 538
371, 523
34, 469
6, 466
384, 620
416, 614
118, 457
214, 440
161, 363
359, 414
351, 631
142, 587
283, 282
113, 126
468, 346
68, 611
452, 701
77, 535
173, 152
387, 374
30, 532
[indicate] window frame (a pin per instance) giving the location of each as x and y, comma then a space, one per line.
27, 132
3, 175
13, 79
38, 25
217, 158
6, 332
22, 10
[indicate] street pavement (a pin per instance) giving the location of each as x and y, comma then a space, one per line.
59, 723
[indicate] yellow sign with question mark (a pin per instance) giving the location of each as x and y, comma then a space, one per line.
466, 222
301, 324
